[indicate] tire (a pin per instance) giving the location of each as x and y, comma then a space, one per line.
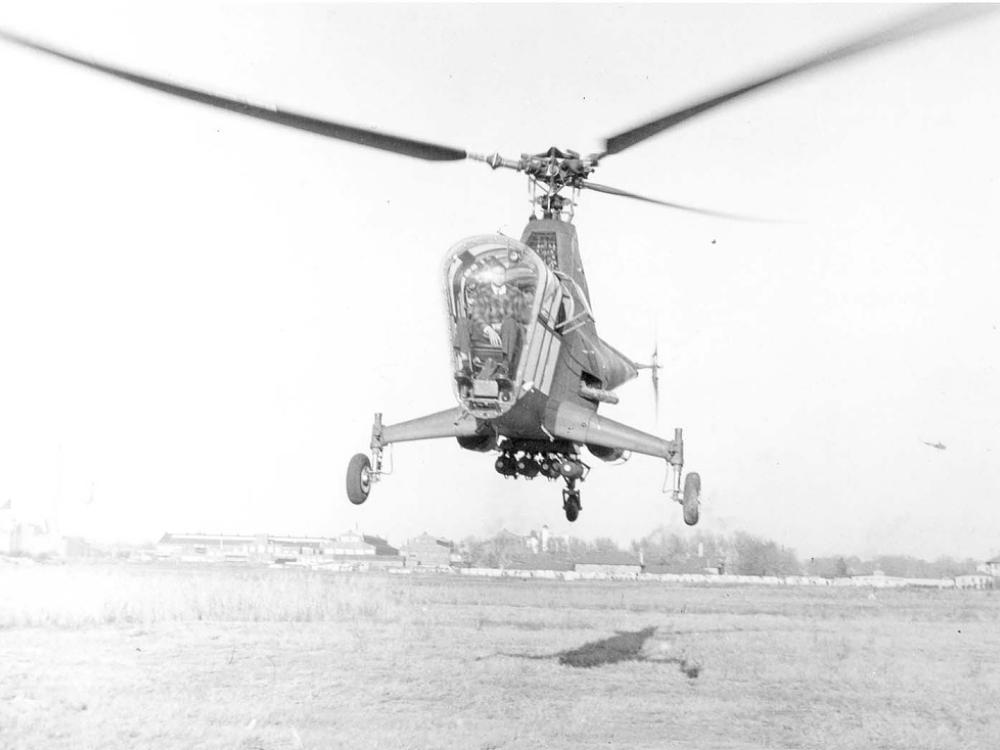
359, 478
692, 493
571, 504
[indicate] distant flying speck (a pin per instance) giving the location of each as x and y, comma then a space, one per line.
939, 446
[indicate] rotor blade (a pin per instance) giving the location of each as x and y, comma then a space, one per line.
328, 128
679, 206
923, 22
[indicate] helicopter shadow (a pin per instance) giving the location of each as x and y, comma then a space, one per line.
621, 647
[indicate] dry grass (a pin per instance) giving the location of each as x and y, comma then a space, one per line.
130, 656
79, 595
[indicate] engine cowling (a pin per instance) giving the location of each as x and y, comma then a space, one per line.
478, 443
606, 454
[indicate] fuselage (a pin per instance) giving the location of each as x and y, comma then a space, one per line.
523, 335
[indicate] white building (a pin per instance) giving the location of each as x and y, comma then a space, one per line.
993, 567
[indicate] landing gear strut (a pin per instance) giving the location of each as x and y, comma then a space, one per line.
690, 496
361, 473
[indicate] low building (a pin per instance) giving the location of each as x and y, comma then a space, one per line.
541, 562
974, 581
993, 567
381, 546
297, 547
349, 543
355, 543
426, 551
348, 547
696, 566
194, 546
608, 565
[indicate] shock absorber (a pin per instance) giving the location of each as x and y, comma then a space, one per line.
676, 463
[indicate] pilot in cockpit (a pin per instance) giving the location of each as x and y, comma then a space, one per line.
498, 305
483, 313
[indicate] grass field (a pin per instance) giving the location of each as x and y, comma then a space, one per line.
196, 657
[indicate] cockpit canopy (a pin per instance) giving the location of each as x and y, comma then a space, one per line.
498, 291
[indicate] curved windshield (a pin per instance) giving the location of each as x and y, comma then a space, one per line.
496, 288
495, 299
504, 304
496, 302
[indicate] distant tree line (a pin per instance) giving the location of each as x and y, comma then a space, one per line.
501, 550
740, 553
737, 553
902, 566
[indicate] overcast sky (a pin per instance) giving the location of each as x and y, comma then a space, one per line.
199, 314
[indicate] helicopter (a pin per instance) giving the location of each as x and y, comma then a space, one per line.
529, 371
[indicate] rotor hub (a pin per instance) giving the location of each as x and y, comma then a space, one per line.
557, 168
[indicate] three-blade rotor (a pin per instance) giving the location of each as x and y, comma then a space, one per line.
555, 169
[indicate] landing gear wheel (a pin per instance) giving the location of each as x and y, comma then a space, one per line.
359, 478
571, 504
692, 491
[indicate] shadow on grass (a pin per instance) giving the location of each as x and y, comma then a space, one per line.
618, 648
